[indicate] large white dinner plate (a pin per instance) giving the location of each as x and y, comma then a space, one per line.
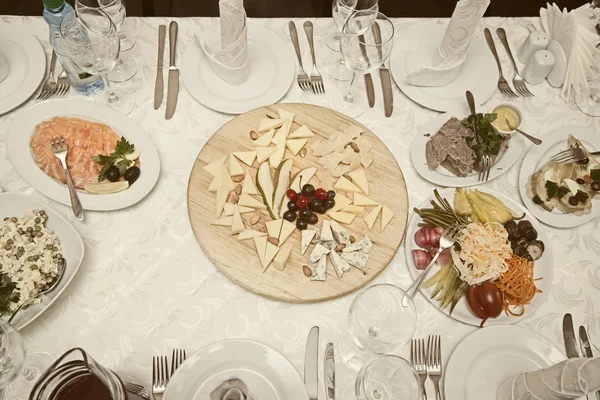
544, 267
488, 357
266, 372
554, 142
272, 70
441, 176
19, 152
15, 205
27, 61
418, 45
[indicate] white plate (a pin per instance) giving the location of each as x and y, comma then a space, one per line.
272, 71
554, 142
15, 205
19, 152
488, 357
544, 267
441, 176
27, 61
266, 372
479, 73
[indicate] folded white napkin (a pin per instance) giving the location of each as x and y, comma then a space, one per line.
454, 47
231, 389
4, 68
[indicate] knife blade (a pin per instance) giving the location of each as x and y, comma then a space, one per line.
586, 349
329, 366
159, 87
384, 75
368, 77
173, 88
311, 367
569, 336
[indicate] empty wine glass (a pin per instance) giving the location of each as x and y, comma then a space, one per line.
588, 100
91, 41
378, 324
127, 66
594, 330
595, 12
364, 50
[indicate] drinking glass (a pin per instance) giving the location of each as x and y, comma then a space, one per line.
378, 324
91, 40
363, 52
594, 330
127, 65
19, 371
588, 100
595, 12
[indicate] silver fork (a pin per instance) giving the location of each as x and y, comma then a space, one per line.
160, 376
62, 84
502, 83
302, 78
49, 86
59, 148
434, 362
574, 154
417, 359
316, 79
518, 81
485, 166
138, 390
178, 358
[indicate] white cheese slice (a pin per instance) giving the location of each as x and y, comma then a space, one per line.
341, 267
265, 139
237, 225
363, 244
263, 153
320, 271
341, 201
359, 178
226, 179
270, 253
279, 138
352, 209
217, 182
366, 159
269, 123
302, 178
353, 131
301, 133
228, 210
370, 219
274, 227
249, 201
318, 252
225, 221
340, 234
346, 186
214, 167
235, 169
326, 233
286, 128
250, 234
221, 199
343, 217
283, 256
249, 187
286, 115
386, 216
286, 231
307, 237
363, 201
261, 245
247, 157
357, 259
295, 145
277, 157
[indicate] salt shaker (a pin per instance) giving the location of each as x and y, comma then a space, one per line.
538, 67
535, 42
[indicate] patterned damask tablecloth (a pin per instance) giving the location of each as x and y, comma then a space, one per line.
145, 286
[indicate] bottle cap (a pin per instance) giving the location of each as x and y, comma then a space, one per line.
53, 4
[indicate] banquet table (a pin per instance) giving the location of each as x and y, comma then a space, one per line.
145, 286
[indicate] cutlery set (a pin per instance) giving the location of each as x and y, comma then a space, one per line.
426, 359
311, 367
173, 75
161, 374
307, 83
54, 87
571, 342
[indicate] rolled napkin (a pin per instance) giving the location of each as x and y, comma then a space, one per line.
570, 379
4, 68
231, 389
454, 47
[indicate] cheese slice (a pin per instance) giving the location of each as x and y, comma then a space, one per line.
250, 234
217, 182
269, 123
270, 253
353, 131
341, 201
274, 227
341, 266
261, 245
286, 115
247, 157
320, 271
353, 210
317, 253
359, 178
214, 167
235, 169
363, 244
237, 225
295, 145
286, 231
357, 259
342, 217
326, 233
286, 128
283, 256
228, 210
249, 187
340, 234
279, 138
221, 199
264, 140
386, 216
249, 201
262, 153
301, 133
370, 219
227, 183
307, 237
346, 186
364, 201
225, 221
277, 157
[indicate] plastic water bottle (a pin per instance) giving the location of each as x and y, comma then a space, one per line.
82, 82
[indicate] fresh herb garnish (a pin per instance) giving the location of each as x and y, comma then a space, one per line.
8, 294
488, 140
551, 189
117, 157
582, 197
595, 174
562, 191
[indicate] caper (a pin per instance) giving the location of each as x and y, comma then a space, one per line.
21, 249
43, 213
33, 267
54, 248
29, 229
14, 219
9, 241
38, 228
21, 231
6, 219
40, 234
37, 220
8, 247
48, 247
59, 256
36, 257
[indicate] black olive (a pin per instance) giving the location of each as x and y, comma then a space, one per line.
132, 175
289, 216
530, 234
585, 161
292, 206
537, 200
580, 181
573, 201
308, 190
329, 203
513, 231
313, 219
331, 194
304, 213
595, 186
301, 224
113, 174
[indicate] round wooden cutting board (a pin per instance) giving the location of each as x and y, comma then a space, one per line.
239, 261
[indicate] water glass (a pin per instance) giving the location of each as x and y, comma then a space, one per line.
594, 330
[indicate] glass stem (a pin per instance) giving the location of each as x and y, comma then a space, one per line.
112, 96
349, 97
29, 374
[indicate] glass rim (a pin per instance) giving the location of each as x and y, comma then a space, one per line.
379, 14
111, 4
404, 361
76, 12
350, 8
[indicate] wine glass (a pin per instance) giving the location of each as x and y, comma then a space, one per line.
594, 330
19, 371
588, 100
91, 41
364, 49
378, 324
127, 66
595, 12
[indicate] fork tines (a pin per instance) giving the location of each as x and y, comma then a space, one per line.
485, 165
434, 359
317, 84
58, 144
505, 89
178, 358
160, 374
418, 361
521, 88
572, 155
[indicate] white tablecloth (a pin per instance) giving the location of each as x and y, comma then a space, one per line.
145, 286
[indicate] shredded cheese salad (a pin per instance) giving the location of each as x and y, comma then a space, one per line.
484, 251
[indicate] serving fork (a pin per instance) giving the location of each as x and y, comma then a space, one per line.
434, 362
419, 363
502, 83
160, 376
60, 150
302, 78
518, 81
316, 80
49, 86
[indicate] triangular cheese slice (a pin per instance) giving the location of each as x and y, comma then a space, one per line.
237, 225
307, 237
363, 201
279, 138
214, 167
249, 187
295, 145
217, 182
277, 157
301, 133
286, 115
247, 157
346, 186
235, 169
342, 217
228, 210
264, 140
221, 199
286, 231
353, 210
225, 221
261, 245
269, 123
341, 201
370, 219
386, 216
359, 178
262, 153
250, 234
326, 233
283, 256
274, 227
249, 201
270, 254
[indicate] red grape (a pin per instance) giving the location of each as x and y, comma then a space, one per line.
320, 194
302, 202
291, 194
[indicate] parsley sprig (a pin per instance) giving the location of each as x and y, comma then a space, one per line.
117, 157
489, 140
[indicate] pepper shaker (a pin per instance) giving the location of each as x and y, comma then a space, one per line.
538, 67
535, 42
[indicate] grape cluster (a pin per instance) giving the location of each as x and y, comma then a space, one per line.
305, 205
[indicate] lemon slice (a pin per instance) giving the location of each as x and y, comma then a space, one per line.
106, 188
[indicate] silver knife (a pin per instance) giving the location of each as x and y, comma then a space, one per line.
311, 367
384, 76
569, 336
586, 349
173, 90
159, 87
329, 366
368, 77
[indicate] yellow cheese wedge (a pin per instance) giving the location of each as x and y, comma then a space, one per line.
359, 178
249, 201
286, 128
386, 216
268, 124
270, 254
295, 145
353, 210
345, 185
286, 231
247, 157
265, 140
237, 225
225, 221
217, 182
279, 138
363, 201
249, 187
250, 234
283, 256
227, 182
277, 157
341, 201
301, 133
263, 153
220, 201
286, 115
261, 245
214, 167
235, 169
370, 219
342, 217
274, 227
228, 209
